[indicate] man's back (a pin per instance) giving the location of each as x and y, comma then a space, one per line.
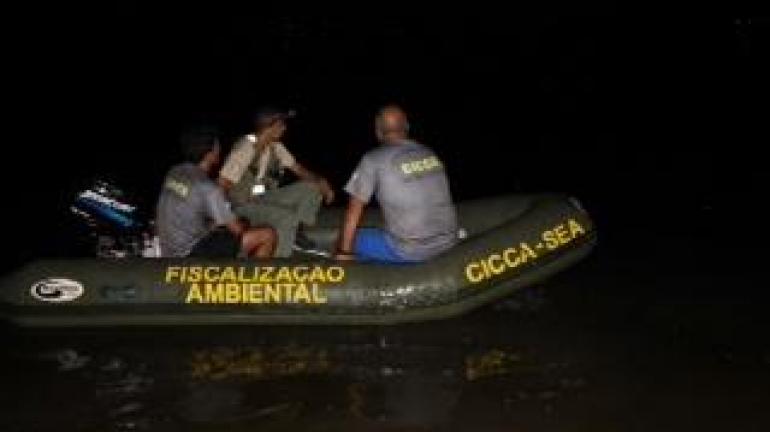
411, 186
189, 205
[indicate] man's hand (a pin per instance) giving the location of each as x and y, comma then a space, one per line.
326, 190
344, 256
237, 227
323, 186
224, 183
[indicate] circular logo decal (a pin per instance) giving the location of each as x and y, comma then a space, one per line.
56, 290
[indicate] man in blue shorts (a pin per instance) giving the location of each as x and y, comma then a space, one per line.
410, 184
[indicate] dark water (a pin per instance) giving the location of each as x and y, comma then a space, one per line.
666, 332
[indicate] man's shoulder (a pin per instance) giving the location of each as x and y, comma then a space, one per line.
412, 145
380, 153
183, 180
241, 153
386, 152
244, 144
192, 174
248, 138
184, 169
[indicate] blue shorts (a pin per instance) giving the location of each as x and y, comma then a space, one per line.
373, 244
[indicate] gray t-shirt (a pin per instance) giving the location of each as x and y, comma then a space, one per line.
411, 186
189, 207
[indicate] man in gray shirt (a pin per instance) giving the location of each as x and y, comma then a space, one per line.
412, 189
193, 217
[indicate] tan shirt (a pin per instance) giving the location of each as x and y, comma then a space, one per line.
243, 154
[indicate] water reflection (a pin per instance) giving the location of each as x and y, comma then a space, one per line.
258, 363
422, 376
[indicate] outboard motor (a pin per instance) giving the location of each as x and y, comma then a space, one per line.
114, 226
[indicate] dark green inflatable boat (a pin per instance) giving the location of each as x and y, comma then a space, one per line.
509, 242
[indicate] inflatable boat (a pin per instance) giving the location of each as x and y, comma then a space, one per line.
507, 243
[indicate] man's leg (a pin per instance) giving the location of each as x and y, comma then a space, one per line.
304, 199
221, 243
282, 220
301, 196
259, 242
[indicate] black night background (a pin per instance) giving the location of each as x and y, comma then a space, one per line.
654, 122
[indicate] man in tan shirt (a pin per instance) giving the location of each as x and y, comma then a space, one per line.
251, 177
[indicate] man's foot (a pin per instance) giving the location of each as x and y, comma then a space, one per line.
303, 244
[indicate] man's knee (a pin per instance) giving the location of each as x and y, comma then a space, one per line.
264, 214
259, 236
307, 188
267, 234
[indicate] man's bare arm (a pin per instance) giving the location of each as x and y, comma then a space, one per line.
237, 228
225, 184
305, 174
352, 219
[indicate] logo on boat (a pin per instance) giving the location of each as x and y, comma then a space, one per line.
255, 285
56, 290
513, 257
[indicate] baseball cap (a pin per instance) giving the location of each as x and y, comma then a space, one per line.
266, 116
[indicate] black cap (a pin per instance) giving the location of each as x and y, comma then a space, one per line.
266, 116
197, 141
